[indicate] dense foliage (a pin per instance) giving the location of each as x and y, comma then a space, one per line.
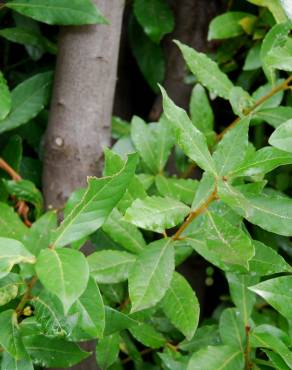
144, 221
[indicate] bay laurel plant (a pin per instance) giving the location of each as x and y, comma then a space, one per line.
144, 223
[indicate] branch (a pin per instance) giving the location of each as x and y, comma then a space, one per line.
26, 297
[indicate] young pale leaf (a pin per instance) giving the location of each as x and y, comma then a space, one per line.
5, 98
228, 25
124, 233
206, 71
281, 138
231, 327
188, 137
10, 339
10, 363
11, 225
201, 111
218, 357
9, 286
181, 189
107, 350
61, 12
151, 275
261, 162
267, 261
28, 99
274, 116
181, 306
63, 272
156, 213
232, 148
271, 213
155, 17
109, 267
277, 292
53, 352
101, 197
241, 296
90, 310
12, 252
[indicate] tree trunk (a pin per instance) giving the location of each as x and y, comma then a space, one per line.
81, 109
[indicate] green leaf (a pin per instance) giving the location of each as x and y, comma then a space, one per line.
151, 275
8, 362
147, 335
155, 17
116, 321
100, 198
271, 213
181, 306
273, 38
62, 12
188, 137
276, 360
156, 213
232, 148
267, 261
67, 275
280, 57
273, 101
266, 336
232, 329
107, 350
243, 299
240, 101
261, 162
120, 127
12, 252
10, 224
124, 233
274, 116
204, 336
253, 60
53, 352
10, 339
109, 267
281, 138
149, 55
201, 111
205, 189
218, 357
90, 308
181, 189
274, 7
5, 97
277, 292
228, 25
9, 286
206, 71
28, 99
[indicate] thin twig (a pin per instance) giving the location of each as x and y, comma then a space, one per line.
26, 297
248, 364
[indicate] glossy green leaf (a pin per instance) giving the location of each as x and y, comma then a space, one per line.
124, 233
62, 12
151, 275
10, 338
9, 287
273, 101
9, 362
200, 110
271, 213
277, 292
240, 101
100, 198
241, 296
232, 148
181, 306
155, 17
116, 321
109, 267
156, 213
63, 272
205, 189
28, 99
218, 357
274, 7
53, 352
147, 335
181, 189
12, 252
10, 224
275, 116
228, 25
107, 350
206, 71
276, 360
281, 138
267, 261
188, 137
5, 98
204, 336
232, 329
253, 60
280, 57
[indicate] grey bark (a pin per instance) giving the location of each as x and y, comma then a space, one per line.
81, 109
